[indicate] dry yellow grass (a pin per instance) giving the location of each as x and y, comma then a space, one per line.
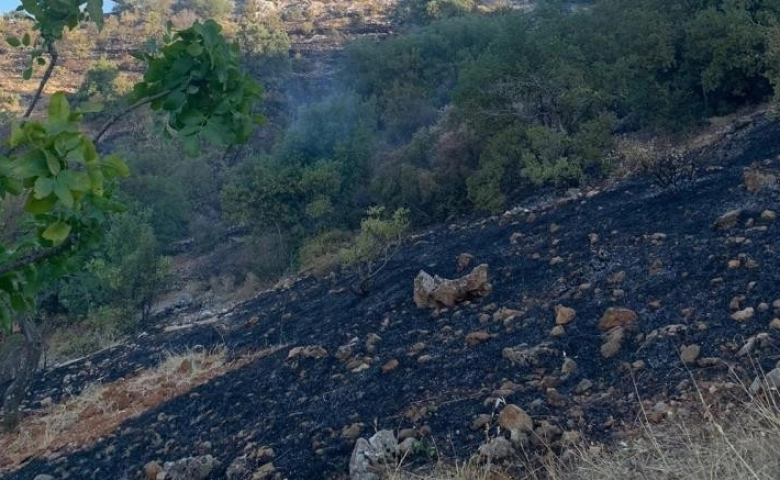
100, 408
743, 446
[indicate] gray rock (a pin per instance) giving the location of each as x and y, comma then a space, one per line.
384, 445
190, 468
43, 476
360, 464
239, 469
497, 448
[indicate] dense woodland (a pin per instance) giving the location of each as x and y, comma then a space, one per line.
457, 111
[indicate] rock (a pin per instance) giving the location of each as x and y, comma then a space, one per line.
312, 351
384, 445
464, 260
556, 260
474, 338
435, 292
480, 421
515, 238
555, 399
564, 315
390, 365
516, 421
583, 386
190, 468
558, 331
593, 238
617, 277
353, 431
504, 314
768, 215
526, 356
569, 366
265, 471
361, 462
239, 469
775, 324
743, 315
407, 446
734, 263
727, 220
43, 476
151, 470
546, 433
614, 341
498, 448
689, 353
616, 317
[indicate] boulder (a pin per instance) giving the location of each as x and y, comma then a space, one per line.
435, 292
190, 468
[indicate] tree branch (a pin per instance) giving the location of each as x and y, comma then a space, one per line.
124, 112
52, 50
37, 256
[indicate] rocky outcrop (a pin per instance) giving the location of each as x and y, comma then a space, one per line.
436, 292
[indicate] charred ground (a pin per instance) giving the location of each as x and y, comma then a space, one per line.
675, 272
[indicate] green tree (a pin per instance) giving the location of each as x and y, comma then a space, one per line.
67, 185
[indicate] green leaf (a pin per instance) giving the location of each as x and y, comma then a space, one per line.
40, 61
90, 107
59, 110
13, 41
26, 39
43, 187
56, 233
115, 166
191, 145
63, 193
194, 50
52, 162
5, 317
39, 206
27, 73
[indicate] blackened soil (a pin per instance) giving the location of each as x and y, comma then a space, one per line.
299, 407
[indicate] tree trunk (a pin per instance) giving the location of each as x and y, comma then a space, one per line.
29, 356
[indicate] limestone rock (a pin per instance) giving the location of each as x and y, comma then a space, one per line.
525, 356
497, 448
311, 351
384, 445
616, 317
514, 418
689, 353
434, 291
614, 341
190, 468
151, 470
768, 215
361, 462
564, 315
390, 365
477, 337
464, 260
727, 220
743, 315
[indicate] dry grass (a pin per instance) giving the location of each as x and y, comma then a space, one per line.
743, 446
100, 408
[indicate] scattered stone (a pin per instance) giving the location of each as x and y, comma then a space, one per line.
497, 448
654, 304
768, 215
504, 314
43, 476
689, 353
361, 462
371, 341
555, 399
151, 470
424, 358
727, 220
526, 356
515, 420
435, 292
554, 228
362, 367
390, 365
569, 366
264, 471
546, 433
239, 469
617, 277
770, 381
384, 445
556, 260
480, 421
477, 337
312, 351
775, 324
734, 264
558, 331
583, 386
616, 317
464, 261
515, 238
407, 446
352, 431
614, 341
743, 315
564, 315
190, 468
593, 238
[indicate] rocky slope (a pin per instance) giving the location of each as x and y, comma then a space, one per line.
602, 304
